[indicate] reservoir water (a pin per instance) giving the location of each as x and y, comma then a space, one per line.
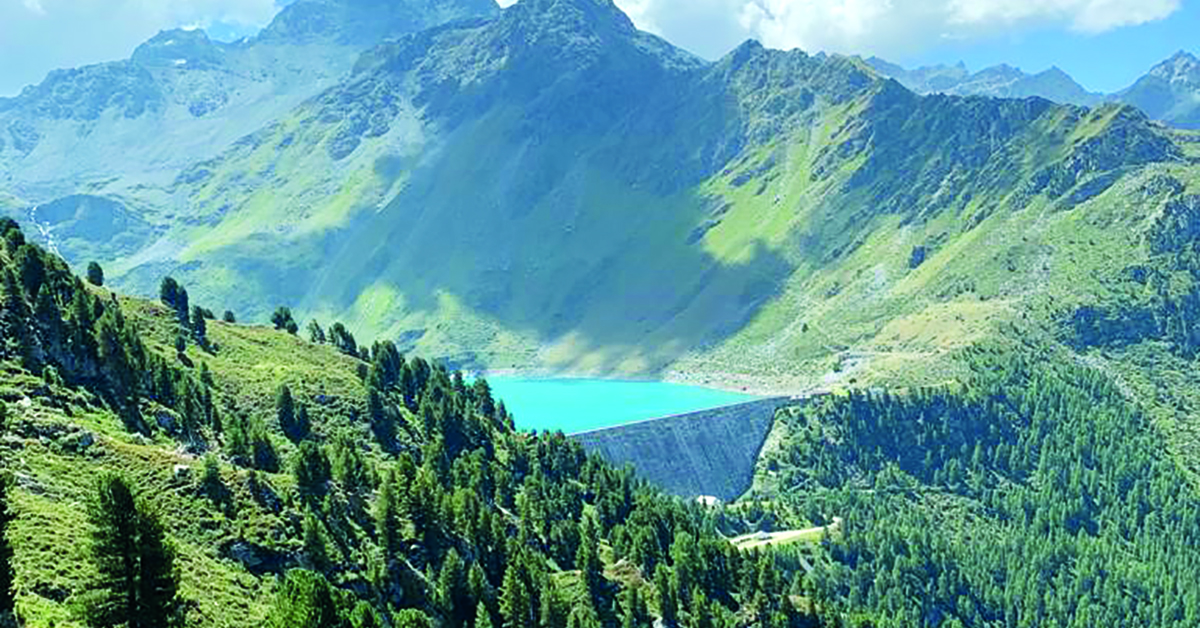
578, 405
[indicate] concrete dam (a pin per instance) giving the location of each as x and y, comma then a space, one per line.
710, 452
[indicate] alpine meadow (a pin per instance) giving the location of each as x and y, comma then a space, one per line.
438, 313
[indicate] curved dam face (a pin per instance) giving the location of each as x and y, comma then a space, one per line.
711, 452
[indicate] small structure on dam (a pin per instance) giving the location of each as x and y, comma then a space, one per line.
710, 452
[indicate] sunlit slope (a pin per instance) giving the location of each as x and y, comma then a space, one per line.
555, 189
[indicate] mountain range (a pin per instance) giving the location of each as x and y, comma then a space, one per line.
548, 188
1170, 91
992, 303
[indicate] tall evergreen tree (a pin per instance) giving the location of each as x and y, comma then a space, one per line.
587, 559
95, 274
168, 291
285, 411
199, 326
136, 587
389, 513
315, 333
7, 601
306, 600
282, 320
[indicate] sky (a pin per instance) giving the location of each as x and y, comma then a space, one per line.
1104, 44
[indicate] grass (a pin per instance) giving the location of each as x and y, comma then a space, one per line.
55, 471
760, 540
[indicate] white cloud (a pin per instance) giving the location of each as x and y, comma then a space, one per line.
884, 27
37, 36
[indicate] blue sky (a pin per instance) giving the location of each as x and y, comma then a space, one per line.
1103, 62
1104, 44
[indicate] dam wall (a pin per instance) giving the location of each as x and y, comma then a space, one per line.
710, 452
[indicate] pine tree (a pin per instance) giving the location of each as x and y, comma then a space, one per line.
452, 592
389, 513
515, 606
312, 471
315, 333
199, 326
587, 559
316, 550
668, 602
285, 411
282, 320
183, 309
483, 618
168, 291
306, 600
7, 602
137, 582
95, 274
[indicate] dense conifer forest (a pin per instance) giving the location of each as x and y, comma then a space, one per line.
1034, 494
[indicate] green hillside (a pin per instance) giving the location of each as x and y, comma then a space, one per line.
505, 193
377, 490
1032, 493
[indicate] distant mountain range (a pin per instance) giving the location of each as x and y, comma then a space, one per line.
546, 186
1169, 92
183, 97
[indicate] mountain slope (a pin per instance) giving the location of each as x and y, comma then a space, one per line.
1169, 92
272, 461
111, 129
554, 189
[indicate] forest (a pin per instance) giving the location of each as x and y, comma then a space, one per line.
1032, 494
415, 504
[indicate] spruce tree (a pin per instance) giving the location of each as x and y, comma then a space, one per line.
389, 514
515, 605
7, 602
95, 274
199, 326
315, 333
668, 601
587, 559
168, 291
483, 619
306, 600
316, 549
285, 411
136, 586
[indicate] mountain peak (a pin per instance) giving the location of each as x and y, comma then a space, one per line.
364, 22
1182, 67
573, 15
179, 47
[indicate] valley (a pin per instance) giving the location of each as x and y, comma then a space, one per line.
437, 314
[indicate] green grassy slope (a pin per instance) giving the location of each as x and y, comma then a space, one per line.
601, 210
410, 491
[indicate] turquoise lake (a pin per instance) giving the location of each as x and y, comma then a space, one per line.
577, 405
